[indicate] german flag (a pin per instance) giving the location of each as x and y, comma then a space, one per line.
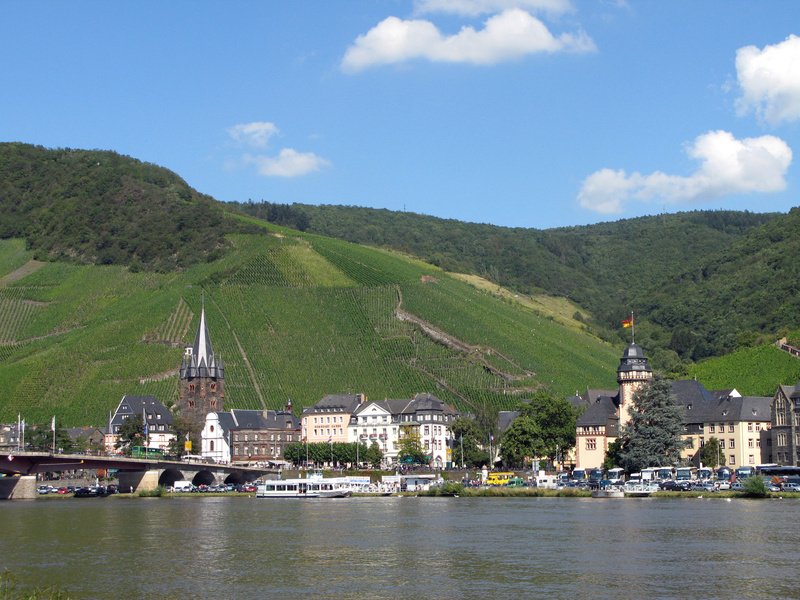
628, 322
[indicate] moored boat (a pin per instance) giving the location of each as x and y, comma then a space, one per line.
608, 493
640, 490
301, 488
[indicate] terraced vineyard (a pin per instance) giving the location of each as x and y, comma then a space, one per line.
752, 371
293, 316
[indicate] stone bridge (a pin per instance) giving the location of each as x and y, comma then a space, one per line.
134, 474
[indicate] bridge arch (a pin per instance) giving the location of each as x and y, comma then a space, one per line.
168, 477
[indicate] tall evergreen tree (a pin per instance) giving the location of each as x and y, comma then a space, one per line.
652, 437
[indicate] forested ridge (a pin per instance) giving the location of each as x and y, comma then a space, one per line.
99, 207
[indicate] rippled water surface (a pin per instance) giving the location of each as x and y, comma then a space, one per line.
405, 547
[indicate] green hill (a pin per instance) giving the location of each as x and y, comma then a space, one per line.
97, 207
672, 270
294, 316
105, 262
752, 371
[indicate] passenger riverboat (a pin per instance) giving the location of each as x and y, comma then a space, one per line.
302, 488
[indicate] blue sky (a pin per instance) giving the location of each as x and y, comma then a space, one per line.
524, 113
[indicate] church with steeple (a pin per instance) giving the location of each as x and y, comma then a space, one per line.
202, 384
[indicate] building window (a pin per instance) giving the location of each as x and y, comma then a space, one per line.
732, 461
191, 387
730, 428
780, 415
211, 446
749, 427
752, 459
212, 387
591, 444
731, 443
711, 428
781, 439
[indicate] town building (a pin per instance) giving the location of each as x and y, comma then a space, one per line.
202, 379
739, 423
157, 420
742, 424
249, 436
374, 422
327, 420
785, 419
605, 410
10, 439
91, 438
388, 421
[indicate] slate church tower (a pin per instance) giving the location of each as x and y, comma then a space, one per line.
202, 388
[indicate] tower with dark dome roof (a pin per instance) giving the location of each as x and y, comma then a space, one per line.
632, 373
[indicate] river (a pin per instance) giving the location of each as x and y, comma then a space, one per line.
410, 548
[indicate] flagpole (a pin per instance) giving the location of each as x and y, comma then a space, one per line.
53, 428
633, 329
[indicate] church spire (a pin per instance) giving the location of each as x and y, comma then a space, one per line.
199, 359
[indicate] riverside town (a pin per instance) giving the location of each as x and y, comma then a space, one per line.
347, 444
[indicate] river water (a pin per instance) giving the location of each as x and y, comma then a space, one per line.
410, 548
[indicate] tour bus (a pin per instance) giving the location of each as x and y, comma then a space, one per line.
650, 474
145, 452
616, 475
743, 473
579, 475
498, 478
705, 474
595, 477
665, 473
685, 474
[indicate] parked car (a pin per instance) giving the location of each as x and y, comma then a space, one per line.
723, 485
703, 487
791, 487
670, 486
42, 489
737, 486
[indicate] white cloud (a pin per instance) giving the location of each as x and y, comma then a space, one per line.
474, 8
289, 163
255, 134
512, 34
770, 80
728, 166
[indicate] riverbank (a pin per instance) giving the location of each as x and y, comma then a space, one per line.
456, 490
